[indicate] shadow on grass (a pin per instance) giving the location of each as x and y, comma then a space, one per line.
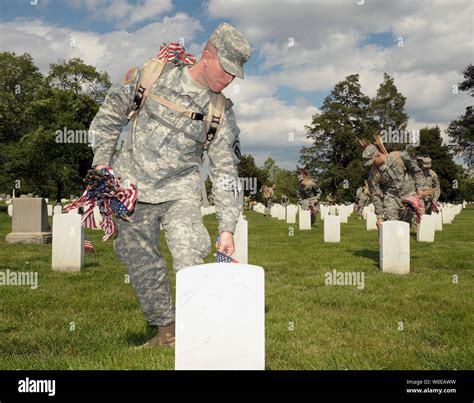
368, 253
139, 338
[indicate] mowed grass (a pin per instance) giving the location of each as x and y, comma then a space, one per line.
423, 320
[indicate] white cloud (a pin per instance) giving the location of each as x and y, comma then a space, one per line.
122, 12
114, 51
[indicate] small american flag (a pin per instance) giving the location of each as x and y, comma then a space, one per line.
415, 205
174, 51
88, 247
223, 258
434, 206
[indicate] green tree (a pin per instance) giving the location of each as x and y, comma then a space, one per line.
270, 169
334, 157
44, 160
453, 181
387, 108
79, 77
461, 130
248, 169
286, 183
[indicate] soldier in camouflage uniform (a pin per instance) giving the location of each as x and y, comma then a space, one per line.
393, 177
308, 193
268, 193
160, 157
284, 201
431, 182
362, 199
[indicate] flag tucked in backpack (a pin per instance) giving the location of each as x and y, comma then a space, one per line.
104, 191
415, 205
173, 51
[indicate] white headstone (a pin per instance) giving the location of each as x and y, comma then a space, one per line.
57, 210
74, 211
324, 211
10, 210
241, 240
365, 210
332, 229
332, 210
438, 221
50, 209
274, 211
220, 317
281, 214
343, 214
447, 215
291, 214
68, 243
394, 245
371, 223
305, 220
426, 230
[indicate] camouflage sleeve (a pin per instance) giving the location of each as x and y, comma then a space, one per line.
224, 155
377, 194
111, 117
437, 186
414, 170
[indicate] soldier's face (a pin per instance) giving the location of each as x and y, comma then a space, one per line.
216, 77
379, 160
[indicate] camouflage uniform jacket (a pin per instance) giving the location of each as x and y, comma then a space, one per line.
394, 180
160, 155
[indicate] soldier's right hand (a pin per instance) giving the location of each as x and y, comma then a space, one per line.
378, 222
99, 167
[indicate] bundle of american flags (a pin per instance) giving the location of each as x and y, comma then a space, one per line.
415, 205
104, 191
173, 51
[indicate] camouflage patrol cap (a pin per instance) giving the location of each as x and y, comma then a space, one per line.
369, 154
232, 48
427, 162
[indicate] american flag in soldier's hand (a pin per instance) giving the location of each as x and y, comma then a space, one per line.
223, 258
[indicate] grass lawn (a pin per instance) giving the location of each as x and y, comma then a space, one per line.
423, 320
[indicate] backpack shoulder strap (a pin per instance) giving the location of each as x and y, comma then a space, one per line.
214, 117
150, 73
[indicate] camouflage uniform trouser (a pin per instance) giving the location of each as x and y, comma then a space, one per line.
138, 246
394, 209
268, 206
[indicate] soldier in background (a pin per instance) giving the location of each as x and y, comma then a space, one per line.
392, 178
161, 158
268, 194
284, 200
308, 193
362, 198
431, 182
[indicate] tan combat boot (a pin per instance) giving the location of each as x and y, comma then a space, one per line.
165, 337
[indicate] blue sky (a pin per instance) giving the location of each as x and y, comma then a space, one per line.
332, 39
